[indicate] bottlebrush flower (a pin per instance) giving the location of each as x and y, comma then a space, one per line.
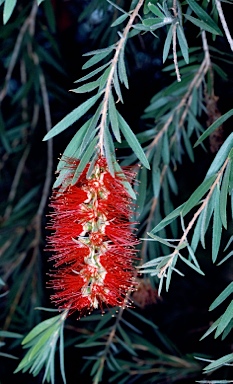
93, 242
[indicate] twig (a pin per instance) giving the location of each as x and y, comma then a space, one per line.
119, 47
48, 122
17, 47
110, 339
174, 28
150, 217
195, 217
224, 23
15, 183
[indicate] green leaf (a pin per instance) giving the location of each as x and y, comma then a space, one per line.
61, 352
211, 329
120, 20
156, 182
183, 43
197, 195
172, 181
74, 145
87, 87
217, 226
124, 181
96, 59
93, 73
117, 86
102, 50
219, 363
109, 150
72, 117
167, 46
214, 126
162, 241
49, 12
155, 10
104, 77
225, 258
223, 195
221, 156
168, 219
165, 149
201, 24
91, 131
188, 145
191, 265
40, 328
85, 159
225, 319
203, 16
122, 69
223, 296
142, 189
132, 141
8, 8
113, 118
116, 6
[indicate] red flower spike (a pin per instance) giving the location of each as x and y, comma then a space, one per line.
93, 242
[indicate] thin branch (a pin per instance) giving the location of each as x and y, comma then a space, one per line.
48, 123
15, 182
29, 20
119, 47
150, 218
110, 338
224, 23
195, 217
174, 27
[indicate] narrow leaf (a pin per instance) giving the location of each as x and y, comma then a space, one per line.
98, 51
191, 265
168, 219
133, 141
124, 181
221, 156
225, 319
93, 73
117, 86
223, 295
204, 16
201, 24
211, 328
120, 20
122, 69
214, 126
167, 44
9, 6
73, 145
113, 118
40, 328
109, 150
87, 87
223, 195
95, 59
72, 117
220, 362
217, 227
183, 43
85, 159
155, 10
198, 194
